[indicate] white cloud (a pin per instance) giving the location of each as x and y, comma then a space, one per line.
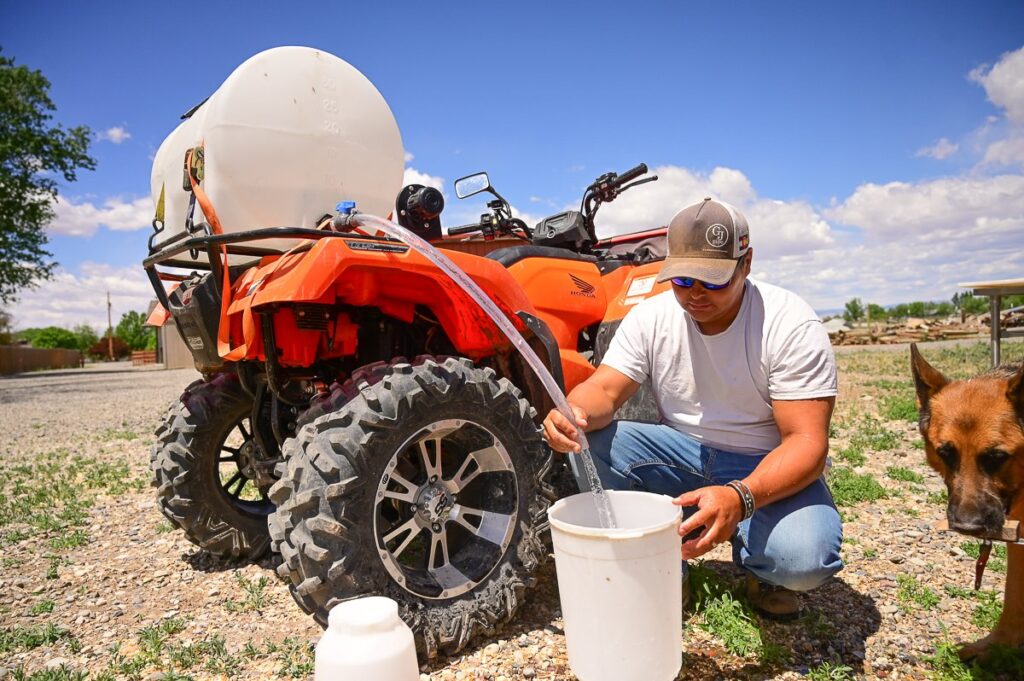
83, 219
960, 205
776, 227
1005, 152
413, 176
409, 157
81, 298
115, 135
940, 150
1004, 84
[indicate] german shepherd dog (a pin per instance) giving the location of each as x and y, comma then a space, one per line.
973, 434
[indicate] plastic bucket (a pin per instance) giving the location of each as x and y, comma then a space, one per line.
621, 588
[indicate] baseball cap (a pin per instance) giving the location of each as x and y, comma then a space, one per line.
704, 242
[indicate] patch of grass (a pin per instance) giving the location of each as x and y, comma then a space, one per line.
917, 444
818, 625
946, 665
164, 527
153, 639
849, 488
256, 598
26, 638
828, 671
870, 553
852, 455
69, 540
122, 433
41, 608
903, 474
986, 613
61, 673
940, 498
911, 592
731, 622
954, 591
997, 559
899, 406
296, 658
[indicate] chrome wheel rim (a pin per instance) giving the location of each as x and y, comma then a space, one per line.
445, 509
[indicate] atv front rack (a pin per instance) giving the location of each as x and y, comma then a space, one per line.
235, 244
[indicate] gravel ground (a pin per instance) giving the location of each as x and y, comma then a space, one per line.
126, 597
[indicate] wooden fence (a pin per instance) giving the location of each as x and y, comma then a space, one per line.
143, 357
15, 359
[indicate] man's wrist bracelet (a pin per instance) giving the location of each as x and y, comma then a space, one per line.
746, 497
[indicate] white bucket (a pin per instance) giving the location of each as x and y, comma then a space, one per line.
365, 639
621, 588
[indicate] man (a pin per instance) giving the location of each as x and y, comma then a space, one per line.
745, 382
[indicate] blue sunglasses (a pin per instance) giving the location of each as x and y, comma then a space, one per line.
688, 282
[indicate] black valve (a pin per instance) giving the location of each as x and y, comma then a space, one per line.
418, 209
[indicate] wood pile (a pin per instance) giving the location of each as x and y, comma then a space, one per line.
914, 330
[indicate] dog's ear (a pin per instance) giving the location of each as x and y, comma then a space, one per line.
928, 380
1015, 392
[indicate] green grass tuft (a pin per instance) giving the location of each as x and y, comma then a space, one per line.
903, 474
849, 488
911, 592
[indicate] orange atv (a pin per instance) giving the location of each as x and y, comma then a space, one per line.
362, 417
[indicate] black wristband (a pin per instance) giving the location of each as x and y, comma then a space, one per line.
746, 497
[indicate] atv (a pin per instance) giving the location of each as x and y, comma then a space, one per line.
361, 417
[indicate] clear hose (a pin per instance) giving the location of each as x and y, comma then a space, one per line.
442, 261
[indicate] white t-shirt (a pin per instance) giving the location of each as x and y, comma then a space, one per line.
719, 389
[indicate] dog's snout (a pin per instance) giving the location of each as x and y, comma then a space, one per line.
978, 519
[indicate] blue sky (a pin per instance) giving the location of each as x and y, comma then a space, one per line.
876, 148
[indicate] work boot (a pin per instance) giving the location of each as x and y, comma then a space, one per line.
771, 601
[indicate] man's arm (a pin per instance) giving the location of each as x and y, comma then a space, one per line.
797, 462
594, 403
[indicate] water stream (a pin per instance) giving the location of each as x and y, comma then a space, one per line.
604, 510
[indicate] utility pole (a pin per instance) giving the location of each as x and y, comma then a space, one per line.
110, 329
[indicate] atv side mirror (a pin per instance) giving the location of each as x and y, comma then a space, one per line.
471, 184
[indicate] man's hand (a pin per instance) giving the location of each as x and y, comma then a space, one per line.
719, 510
561, 433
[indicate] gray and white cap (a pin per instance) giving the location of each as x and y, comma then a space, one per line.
705, 241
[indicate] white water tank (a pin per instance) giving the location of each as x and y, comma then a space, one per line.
289, 134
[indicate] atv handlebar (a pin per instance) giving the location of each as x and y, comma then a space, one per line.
630, 175
464, 229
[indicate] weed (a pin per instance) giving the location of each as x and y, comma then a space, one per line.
917, 444
296, 658
946, 664
727, 619
910, 592
940, 498
70, 540
61, 673
986, 614
901, 406
26, 638
828, 671
256, 597
164, 527
852, 455
997, 559
954, 591
41, 608
818, 625
849, 488
903, 474
870, 553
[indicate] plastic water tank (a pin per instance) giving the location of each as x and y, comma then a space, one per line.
291, 132
366, 641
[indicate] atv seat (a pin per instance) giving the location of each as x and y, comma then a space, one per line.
510, 255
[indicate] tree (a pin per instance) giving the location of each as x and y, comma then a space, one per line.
854, 310
132, 330
969, 304
876, 313
101, 349
86, 335
33, 153
55, 337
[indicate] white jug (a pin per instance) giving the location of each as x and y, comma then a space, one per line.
366, 640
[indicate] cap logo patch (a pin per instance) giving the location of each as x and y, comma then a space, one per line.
744, 241
717, 235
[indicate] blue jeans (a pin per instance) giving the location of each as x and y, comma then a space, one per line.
793, 542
